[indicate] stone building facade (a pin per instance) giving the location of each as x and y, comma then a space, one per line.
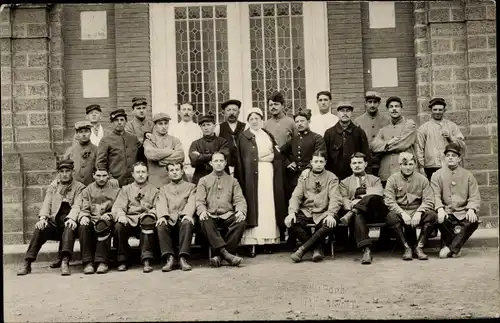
55, 61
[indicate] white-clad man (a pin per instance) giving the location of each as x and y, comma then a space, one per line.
325, 119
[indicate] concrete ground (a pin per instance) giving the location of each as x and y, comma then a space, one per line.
266, 287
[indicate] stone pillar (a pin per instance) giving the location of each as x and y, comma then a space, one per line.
423, 60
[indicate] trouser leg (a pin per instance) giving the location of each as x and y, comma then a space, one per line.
465, 233
186, 230
146, 243
317, 238
394, 221
361, 231
234, 233
121, 236
68, 242
428, 223
39, 238
102, 250
164, 232
87, 242
210, 231
299, 228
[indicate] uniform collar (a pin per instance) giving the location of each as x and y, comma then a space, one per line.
401, 120
341, 129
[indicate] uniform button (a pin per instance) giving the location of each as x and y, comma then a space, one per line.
373, 126
255, 160
255, 173
298, 147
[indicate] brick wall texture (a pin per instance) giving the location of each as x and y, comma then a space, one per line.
444, 48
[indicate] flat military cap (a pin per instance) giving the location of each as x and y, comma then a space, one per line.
454, 148
393, 98
161, 116
93, 107
137, 101
372, 95
345, 104
147, 223
277, 97
65, 163
206, 118
229, 102
83, 125
435, 101
117, 113
102, 229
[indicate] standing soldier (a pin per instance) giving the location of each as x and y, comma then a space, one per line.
54, 223
118, 152
94, 113
371, 122
140, 125
457, 201
434, 135
160, 149
391, 140
231, 129
325, 119
201, 150
83, 153
281, 126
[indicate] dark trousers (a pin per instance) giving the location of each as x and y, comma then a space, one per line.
64, 235
231, 239
370, 209
181, 232
300, 230
453, 240
395, 221
123, 232
430, 171
91, 248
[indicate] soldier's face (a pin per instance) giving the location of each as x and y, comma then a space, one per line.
301, 123
175, 172
101, 177
94, 116
275, 108
208, 128
318, 163
452, 159
231, 113
140, 174
344, 114
324, 103
358, 165
119, 123
162, 127
437, 111
371, 105
218, 162
186, 112
83, 135
65, 175
407, 167
140, 111
395, 109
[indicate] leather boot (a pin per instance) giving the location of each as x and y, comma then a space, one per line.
401, 237
122, 267
65, 267
184, 264
102, 268
230, 258
297, 255
147, 267
89, 269
169, 265
318, 254
367, 256
25, 268
56, 264
319, 234
424, 235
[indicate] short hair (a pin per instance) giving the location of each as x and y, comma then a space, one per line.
139, 163
218, 152
179, 105
174, 163
319, 153
358, 155
327, 93
406, 157
304, 113
100, 170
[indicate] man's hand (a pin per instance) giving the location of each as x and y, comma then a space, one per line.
471, 216
162, 220
416, 219
239, 216
292, 166
85, 220
330, 221
290, 219
122, 219
106, 216
406, 218
148, 136
204, 215
442, 215
41, 224
70, 223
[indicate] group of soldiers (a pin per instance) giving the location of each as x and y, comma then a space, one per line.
162, 182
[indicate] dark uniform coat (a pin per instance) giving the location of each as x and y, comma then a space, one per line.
231, 137
206, 146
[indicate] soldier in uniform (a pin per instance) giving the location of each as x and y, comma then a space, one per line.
161, 149
457, 201
281, 126
118, 152
94, 113
140, 125
325, 119
83, 153
97, 200
175, 207
135, 202
54, 223
201, 150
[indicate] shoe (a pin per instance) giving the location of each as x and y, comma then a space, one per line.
102, 269
297, 255
25, 268
456, 255
444, 252
65, 271
122, 267
420, 254
408, 254
184, 264
147, 267
89, 269
215, 261
230, 258
367, 257
56, 264
169, 265
318, 255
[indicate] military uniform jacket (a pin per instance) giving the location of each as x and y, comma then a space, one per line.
96, 201
349, 185
301, 148
56, 194
133, 201
118, 154
84, 158
206, 146
282, 129
160, 151
231, 137
176, 201
138, 128
456, 191
409, 195
371, 126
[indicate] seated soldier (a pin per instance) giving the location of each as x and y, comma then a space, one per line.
315, 200
134, 203
220, 203
457, 201
408, 195
54, 223
175, 207
96, 202
363, 199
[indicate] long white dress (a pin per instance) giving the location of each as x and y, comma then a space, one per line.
267, 231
